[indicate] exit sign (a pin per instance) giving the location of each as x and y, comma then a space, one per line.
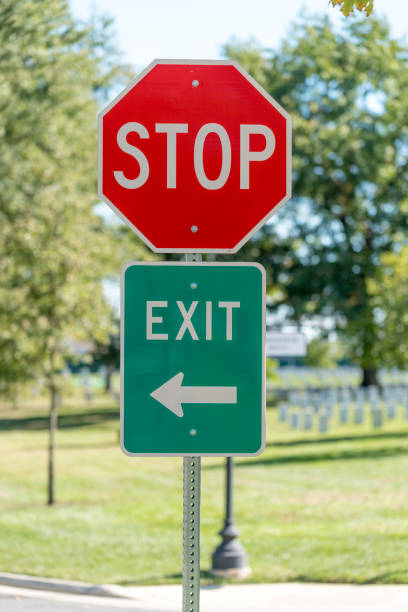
193, 359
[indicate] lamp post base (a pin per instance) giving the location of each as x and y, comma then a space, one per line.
229, 560
237, 573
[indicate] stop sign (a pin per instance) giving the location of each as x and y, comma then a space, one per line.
195, 156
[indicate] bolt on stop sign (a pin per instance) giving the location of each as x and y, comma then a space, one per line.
195, 156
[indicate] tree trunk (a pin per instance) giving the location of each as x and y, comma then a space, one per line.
370, 377
110, 368
51, 447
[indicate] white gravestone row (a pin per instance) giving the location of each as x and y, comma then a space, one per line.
316, 409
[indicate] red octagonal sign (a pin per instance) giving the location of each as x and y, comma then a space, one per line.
195, 156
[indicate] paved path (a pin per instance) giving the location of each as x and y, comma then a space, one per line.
231, 598
13, 599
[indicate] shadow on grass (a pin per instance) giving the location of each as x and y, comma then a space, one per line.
65, 421
330, 439
334, 455
379, 579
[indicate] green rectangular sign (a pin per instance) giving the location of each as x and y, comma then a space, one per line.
193, 359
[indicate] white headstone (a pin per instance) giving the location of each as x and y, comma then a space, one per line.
308, 418
359, 413
391, 410
294, 420
343, 413
377, 418
283, 411
323, 421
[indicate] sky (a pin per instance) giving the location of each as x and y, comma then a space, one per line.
194, 29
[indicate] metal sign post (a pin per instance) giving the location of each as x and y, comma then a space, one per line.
191, 533
191, 519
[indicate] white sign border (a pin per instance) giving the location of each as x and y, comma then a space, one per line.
261, 90
122, 342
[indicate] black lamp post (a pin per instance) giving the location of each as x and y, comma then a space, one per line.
229, 558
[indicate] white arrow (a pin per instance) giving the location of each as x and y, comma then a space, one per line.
172, 394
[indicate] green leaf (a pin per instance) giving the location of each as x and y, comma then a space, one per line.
347, 6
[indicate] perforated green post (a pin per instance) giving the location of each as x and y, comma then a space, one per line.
191, 533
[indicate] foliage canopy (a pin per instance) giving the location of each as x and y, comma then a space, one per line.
389, 293
55, 249
346, 92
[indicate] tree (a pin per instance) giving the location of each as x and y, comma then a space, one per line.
322, 353
346, 93
55, 249
108, 355
348, 6
390, 298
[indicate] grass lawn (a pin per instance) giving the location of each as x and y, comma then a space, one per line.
312, 507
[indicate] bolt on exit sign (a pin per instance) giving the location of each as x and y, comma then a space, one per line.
192, 359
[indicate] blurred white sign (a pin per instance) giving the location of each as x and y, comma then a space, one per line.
279, 344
